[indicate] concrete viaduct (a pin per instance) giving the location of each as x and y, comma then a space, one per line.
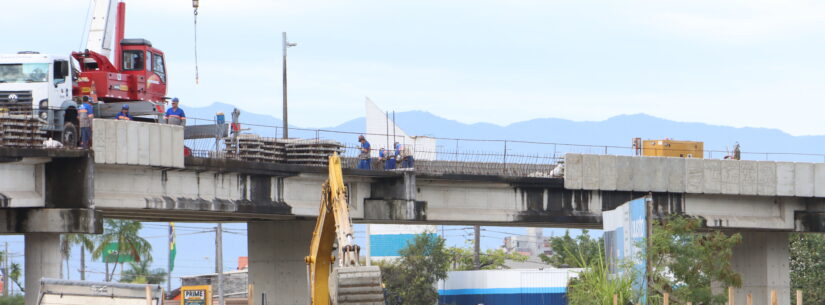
45, 192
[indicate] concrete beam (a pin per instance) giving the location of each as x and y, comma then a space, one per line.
42, 251
762, 259
22, 183
40, 220
277, 268
707, 176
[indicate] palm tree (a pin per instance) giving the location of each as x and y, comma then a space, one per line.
139, 273
15, 274
126, 234
86, 242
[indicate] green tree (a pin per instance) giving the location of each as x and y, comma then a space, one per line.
85, 241
585, 250
685, 262
126, 234
595, 285
15, 274
411, 279
140, 273
12, 300
463, 258
808, 266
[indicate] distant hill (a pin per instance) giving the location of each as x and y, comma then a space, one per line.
615, 131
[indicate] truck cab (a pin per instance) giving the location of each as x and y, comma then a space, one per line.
41, 85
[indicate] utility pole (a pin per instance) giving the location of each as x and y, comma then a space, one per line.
369, 247
286, 44
219, 261
477, 247
6, 271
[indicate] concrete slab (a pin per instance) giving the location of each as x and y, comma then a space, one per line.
694, 170
766, 179
713, 177
748, 177
607, 166
785, 179
641, 175
122, 147
132, 142
730, 177
590, 172
676, 176
573, 171
804, 179
99, 140
111, 141
624, 173
657, 168
165, 146
154, 144
177, 146
143, 144
819, 179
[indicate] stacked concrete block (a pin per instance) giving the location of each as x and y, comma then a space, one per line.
310, 152
697, 176
137, 143
21, 131
252, 147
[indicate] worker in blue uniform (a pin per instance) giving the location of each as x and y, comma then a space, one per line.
364, 154
124, 115
85, 114
175, 115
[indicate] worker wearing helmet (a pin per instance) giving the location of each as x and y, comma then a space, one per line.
124, 114
175, 115
364, 155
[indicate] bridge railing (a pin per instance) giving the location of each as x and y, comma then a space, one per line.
461, 155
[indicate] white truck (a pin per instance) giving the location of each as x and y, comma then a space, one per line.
40, 85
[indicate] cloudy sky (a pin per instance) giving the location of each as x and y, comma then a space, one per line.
739, 63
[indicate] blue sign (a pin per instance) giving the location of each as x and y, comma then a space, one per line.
625, 231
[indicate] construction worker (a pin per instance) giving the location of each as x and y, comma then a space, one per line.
175, 115
407, 160
388, 157
364, 161
85, 114
124, 114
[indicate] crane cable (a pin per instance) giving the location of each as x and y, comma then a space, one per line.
195, 5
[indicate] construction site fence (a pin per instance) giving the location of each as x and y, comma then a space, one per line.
462, 155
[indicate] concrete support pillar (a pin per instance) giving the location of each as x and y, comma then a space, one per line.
276, 261
42, 252
762, 259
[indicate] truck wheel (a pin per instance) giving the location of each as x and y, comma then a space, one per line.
69, 136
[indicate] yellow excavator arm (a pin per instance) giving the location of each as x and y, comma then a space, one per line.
348, 282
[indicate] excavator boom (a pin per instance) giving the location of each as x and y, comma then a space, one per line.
348, 283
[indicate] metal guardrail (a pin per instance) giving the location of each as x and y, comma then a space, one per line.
474, 156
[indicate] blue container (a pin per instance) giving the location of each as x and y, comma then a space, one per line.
220, 118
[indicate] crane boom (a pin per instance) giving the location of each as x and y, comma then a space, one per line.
350, 283
102, 27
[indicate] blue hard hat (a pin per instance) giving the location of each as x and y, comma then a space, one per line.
125, 107
174, 100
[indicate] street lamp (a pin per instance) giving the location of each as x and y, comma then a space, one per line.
286, 44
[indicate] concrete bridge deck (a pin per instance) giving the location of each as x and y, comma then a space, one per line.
46, 192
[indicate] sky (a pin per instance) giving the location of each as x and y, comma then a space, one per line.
736, 63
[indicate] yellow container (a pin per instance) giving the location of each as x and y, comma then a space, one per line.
671, 148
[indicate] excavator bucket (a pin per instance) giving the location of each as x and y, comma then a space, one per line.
359, 285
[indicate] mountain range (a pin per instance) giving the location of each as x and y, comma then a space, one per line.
615, 132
